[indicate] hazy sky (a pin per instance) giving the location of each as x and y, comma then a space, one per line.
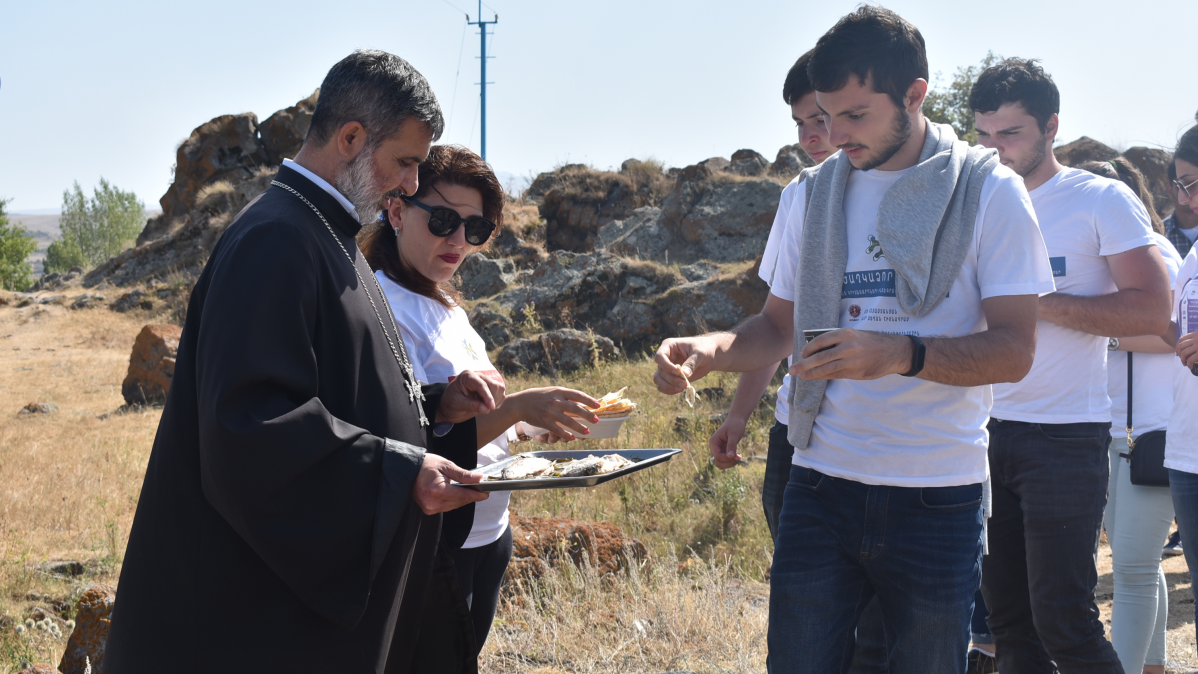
90, 89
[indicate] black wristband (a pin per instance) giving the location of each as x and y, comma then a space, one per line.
918, 353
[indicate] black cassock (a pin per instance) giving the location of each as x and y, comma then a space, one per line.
275, 529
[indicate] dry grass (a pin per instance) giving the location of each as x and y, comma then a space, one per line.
69, 484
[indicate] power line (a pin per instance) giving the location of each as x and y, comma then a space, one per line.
454, 101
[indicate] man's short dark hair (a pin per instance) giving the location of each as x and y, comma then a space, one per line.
1017, 80
379, 91
873, 43
797, 83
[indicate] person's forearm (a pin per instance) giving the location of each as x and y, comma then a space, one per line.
1170, 336
496, 422
1145, 344
751, 346
1126, 313
749, 390
995, 356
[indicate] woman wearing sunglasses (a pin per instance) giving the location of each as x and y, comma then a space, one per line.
1181, 443
415, 249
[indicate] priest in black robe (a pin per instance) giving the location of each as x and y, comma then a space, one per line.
290, 519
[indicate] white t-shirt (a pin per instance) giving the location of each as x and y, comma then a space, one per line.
1152, 372
909, 432
1181, 442
441, 343
793, 199
1084, 218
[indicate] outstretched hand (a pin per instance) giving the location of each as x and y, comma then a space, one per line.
689, 356
469, 395
434, 491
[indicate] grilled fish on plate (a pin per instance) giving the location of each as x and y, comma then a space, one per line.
525, 467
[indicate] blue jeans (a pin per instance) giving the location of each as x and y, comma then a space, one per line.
841, 542
1184, 487
1049, 484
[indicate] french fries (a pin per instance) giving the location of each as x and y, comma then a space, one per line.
614, 405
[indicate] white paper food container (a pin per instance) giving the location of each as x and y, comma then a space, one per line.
608, 427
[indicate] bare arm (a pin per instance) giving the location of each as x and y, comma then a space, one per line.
1001, 353
1145, 344
764, 338
748, 393
1139, 306
553, 408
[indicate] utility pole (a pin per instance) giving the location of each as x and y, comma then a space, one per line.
482, 32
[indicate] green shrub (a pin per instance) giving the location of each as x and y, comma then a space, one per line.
15, 248
96, 229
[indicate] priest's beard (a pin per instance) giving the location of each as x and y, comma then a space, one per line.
362, 186
900, 132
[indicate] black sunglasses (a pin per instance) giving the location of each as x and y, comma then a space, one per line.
444, 222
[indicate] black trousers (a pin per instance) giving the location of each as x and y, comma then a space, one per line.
1050, 487
480, 575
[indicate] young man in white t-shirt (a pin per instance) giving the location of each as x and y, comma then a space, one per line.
885, 494
1049, 433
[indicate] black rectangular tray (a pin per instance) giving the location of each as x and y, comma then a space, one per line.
643, 458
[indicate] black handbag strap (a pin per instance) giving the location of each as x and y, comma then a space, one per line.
1131, 444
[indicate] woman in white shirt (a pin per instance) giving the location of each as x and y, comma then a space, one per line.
415, 249
1181, 447
1137, 517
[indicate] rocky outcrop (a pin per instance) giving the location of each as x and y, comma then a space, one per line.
152, 364
790, 161
712, 217
184, 250
283, 133
495, 327
578, 200
748, 163
91, 631
225, 148
556, 351
1082, 150
483, 277
539, 543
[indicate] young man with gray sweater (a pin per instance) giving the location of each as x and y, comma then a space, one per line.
1050, 432
924, 258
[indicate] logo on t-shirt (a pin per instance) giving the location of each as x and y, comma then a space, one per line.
874, 243
855, 311
1058, 265
879, 283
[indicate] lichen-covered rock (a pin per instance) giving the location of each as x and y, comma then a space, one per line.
43, 668
91, 631
556, 351
39, 408
226, 147
542, 542
88, 301
494, 327
715, 218
748, 163
283, 133
484, 277
791, 160
152, 364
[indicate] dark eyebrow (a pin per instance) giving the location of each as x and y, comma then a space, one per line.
1009, 129
849, 111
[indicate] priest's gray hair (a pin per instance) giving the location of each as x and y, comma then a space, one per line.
379, 91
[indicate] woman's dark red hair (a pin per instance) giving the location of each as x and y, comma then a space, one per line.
446, 165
